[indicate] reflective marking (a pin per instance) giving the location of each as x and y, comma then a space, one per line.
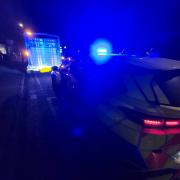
33, 97
22, 86
49, 100
38, 82
32, 91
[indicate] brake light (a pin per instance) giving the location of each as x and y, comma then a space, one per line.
154, 123
161, 123
172, 123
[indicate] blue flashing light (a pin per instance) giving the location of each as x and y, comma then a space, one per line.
101, 51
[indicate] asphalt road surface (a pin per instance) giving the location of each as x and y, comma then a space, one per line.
45, 138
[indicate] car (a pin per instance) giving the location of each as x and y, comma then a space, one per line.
139, 99
147, 112
62, 80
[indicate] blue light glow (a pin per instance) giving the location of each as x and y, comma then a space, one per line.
101, 51
77, 132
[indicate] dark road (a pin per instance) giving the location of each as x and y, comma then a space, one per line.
46, 138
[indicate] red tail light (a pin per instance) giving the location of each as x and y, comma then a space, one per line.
172, 123
153, 123
161, 123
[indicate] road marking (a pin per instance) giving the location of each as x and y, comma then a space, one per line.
33, 97
32, 91
39, 83
22, 86
49, 100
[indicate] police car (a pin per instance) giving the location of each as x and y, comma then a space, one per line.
139, 99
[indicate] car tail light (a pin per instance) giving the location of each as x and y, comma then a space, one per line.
172, 123
153, 123
161, 123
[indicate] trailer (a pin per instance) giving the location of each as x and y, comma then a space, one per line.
43, 51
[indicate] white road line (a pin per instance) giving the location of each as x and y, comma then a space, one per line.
49, 100
39, 83
22, 86
32, 91
33, 97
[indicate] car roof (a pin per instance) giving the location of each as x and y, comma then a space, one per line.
152, 63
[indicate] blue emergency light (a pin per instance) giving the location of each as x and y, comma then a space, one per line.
101, 51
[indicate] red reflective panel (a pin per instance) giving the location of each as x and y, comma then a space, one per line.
154, 123
172, 123
162, 132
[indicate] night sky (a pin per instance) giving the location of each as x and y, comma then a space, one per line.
130, 23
